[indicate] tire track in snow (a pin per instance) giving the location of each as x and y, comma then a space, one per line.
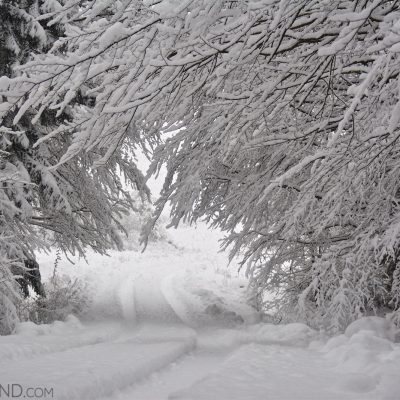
98, 370
178, 375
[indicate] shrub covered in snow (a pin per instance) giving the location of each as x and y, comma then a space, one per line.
64, 297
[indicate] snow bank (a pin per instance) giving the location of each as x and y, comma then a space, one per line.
379, 327
32, 340
368, 353
70, 325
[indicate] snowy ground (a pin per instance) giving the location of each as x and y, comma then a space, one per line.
173, 323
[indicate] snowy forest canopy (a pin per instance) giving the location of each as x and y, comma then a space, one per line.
285, 116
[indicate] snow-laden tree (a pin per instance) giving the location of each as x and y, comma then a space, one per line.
286, 115
73, 207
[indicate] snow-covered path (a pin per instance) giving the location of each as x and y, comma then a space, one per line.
174, 324
163, 361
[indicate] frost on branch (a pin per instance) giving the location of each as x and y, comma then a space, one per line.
287, 124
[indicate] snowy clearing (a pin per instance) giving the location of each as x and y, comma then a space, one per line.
173, 323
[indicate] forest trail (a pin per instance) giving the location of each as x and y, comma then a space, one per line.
173, 324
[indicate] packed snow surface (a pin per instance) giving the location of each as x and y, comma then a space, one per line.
174, 323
